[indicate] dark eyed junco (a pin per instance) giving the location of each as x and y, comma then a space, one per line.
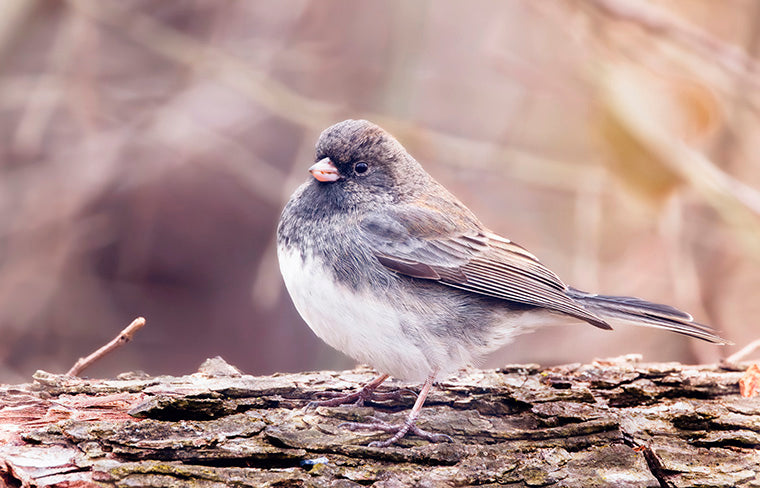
387, 266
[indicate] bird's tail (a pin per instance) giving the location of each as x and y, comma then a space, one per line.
641, 312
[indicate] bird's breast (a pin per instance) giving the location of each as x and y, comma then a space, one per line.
359, 322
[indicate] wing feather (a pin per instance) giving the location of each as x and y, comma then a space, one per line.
422, 243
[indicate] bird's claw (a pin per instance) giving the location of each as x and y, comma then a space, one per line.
358, 398
398, 431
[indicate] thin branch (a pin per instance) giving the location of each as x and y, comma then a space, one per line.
658, 21
259, 86
181, 48
743, 352
123, 337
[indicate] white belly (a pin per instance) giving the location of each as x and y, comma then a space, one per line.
355, 323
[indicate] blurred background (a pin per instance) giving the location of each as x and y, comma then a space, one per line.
147, 149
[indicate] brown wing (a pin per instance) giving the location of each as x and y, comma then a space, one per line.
422, 243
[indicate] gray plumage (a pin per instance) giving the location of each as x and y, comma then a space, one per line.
387, 266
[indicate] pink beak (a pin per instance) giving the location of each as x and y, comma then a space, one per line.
325, 171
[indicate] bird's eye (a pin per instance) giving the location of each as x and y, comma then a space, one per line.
361, 167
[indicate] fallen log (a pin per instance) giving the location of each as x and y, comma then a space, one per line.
615, 423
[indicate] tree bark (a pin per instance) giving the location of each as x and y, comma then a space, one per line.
614, 423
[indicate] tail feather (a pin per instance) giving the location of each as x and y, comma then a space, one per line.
648, 314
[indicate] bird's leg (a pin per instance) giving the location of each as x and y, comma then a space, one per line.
399, 431
367, 392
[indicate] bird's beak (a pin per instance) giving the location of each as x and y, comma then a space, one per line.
325, 171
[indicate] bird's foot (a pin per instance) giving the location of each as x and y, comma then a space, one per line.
398, 431
358, 398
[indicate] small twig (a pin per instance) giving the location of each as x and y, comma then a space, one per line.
743, 352
123, 337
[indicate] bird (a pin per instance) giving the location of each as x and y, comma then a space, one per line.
387, 266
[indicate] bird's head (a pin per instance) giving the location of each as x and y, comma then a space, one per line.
359, 162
